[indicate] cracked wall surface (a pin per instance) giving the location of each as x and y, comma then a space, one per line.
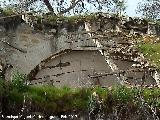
29, 51
34, 45
81, 65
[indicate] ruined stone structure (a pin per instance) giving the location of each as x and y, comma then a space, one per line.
73, 68
99, 52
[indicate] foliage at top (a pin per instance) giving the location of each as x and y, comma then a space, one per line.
149, 8
60, 7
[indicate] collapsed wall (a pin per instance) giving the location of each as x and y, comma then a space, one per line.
33, 42
73, 68
120, 52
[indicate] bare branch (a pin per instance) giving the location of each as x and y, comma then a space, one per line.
71, 7
47, 3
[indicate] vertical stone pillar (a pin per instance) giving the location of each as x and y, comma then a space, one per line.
151, 28
156, 76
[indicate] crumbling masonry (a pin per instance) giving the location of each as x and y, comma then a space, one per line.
88, 53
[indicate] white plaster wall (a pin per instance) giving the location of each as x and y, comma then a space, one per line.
82, 64
68, 40
36, 46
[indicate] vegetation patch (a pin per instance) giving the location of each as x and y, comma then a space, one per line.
50, 99
7, 11
152, 52
52, 21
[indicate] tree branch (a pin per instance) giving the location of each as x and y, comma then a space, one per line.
71, 7
47, 3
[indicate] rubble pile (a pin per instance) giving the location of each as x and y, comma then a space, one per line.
120, 47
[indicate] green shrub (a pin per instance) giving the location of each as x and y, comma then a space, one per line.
102, 92
15, 96
8, 12
124, 94
152, 96
2, 89
18, 81
55, 99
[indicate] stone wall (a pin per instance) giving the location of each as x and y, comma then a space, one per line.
24, 47
29, 48
74, 69
107, 22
